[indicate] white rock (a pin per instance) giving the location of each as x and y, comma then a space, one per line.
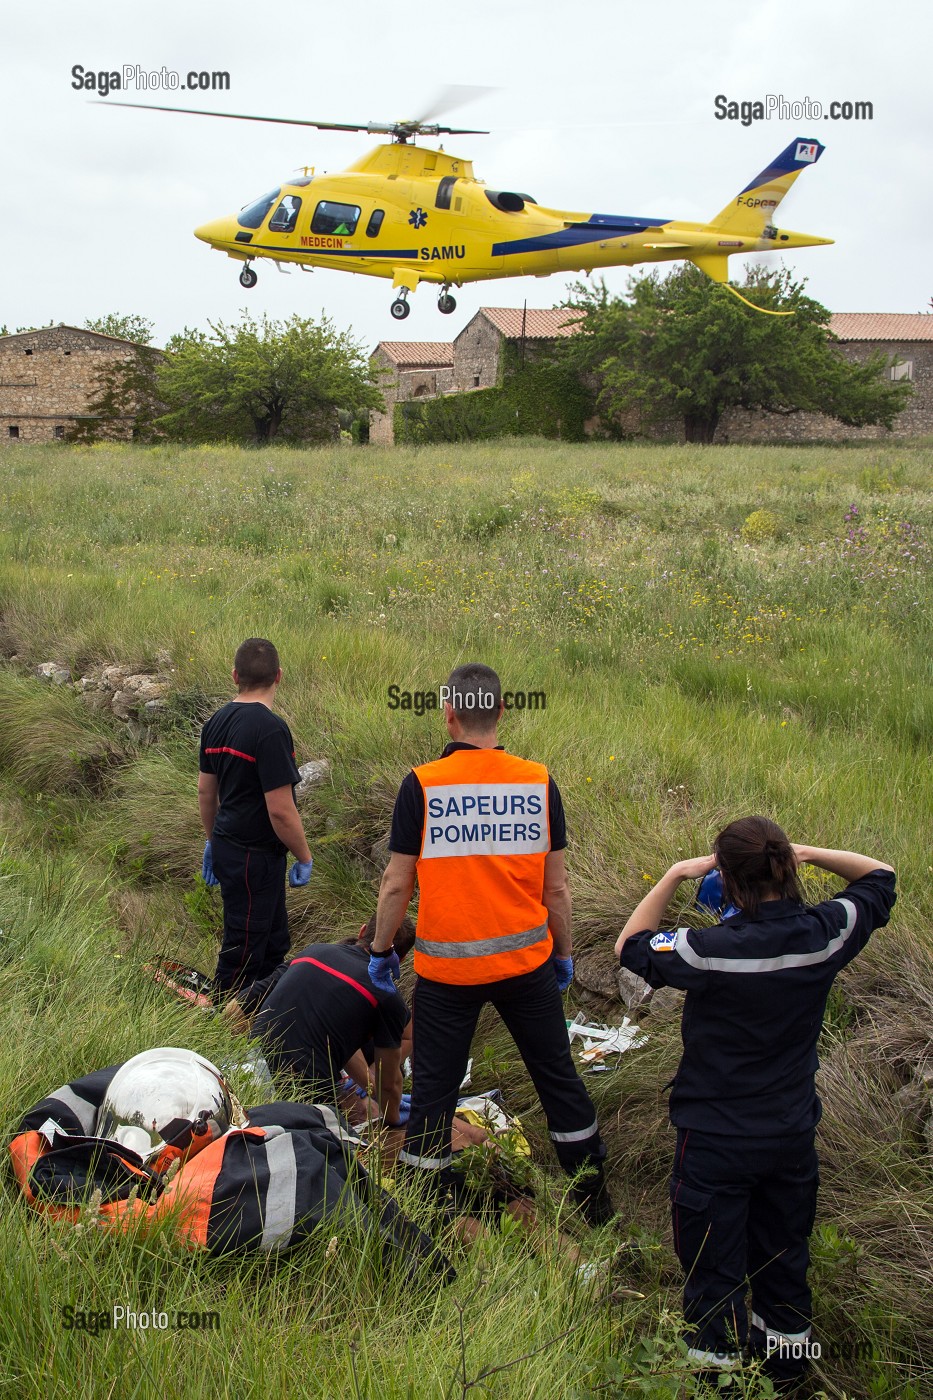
52, 672
312, 772
144, 687
124, 704
113, 676
633, 990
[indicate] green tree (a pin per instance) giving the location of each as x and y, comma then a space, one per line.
263, 380
132, 327
683, 347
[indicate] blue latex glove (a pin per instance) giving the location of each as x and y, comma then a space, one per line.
300, 873
384, 972
563, 971
711, 895
207, 866
404, 1108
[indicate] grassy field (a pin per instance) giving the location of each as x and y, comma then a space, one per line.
717, 631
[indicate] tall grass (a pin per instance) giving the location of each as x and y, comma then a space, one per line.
694, 669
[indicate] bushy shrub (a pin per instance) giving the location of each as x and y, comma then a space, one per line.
761, 525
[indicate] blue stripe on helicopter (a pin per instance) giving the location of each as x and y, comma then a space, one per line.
598, 227
342, 252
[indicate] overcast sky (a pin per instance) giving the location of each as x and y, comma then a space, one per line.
596, 106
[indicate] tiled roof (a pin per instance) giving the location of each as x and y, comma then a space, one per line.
541, 322
418, 354
881, 325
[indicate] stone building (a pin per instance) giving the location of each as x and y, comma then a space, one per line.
475, 360
903, 337
411, 369
49, 376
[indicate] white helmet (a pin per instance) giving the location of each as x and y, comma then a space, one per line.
166, 1097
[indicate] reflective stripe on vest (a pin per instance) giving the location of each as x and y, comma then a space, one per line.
481, 916
481, 947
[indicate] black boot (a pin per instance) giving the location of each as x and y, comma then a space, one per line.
591, 1196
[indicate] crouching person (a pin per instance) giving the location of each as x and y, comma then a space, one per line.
320, 1012
744, 1102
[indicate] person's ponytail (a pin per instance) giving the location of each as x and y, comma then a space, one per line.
756, 861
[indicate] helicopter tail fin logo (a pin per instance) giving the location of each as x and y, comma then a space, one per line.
754, 207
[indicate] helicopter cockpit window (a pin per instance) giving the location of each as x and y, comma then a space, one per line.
252, 215
286, 216
335, 218
375, 222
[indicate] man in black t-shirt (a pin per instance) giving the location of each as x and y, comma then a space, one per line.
316, 1012
246, 796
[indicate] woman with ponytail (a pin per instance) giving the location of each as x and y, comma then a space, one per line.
744, 1101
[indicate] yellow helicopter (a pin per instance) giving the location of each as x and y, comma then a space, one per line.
415, 214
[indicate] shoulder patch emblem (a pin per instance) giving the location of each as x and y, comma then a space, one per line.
664, 942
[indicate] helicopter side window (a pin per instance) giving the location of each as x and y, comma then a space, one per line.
252, 215
375, 222
286, 216
335, 218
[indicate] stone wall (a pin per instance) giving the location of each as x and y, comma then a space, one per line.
745, 425
476, 356
48, 377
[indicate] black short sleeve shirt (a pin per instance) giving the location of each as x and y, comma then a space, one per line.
323, 1008
408, 816
250, 751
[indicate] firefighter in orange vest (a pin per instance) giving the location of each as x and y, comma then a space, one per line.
485, 833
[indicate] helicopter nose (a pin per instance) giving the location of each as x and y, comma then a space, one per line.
217, 231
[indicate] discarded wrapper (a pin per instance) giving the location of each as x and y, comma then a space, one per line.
601, 1041
486, 1112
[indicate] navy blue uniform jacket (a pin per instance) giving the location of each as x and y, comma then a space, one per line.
756, 994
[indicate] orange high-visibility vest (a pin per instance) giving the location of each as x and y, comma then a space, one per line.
486, 834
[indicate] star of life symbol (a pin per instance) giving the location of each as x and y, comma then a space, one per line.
417, 218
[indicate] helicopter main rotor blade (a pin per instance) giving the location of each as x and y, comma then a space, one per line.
448, 99
245, 117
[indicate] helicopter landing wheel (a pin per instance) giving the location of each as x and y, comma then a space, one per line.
248, 277
400, 307
446, 304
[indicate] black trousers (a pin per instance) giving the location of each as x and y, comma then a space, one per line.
742, 1211
444, 1021
252, 885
